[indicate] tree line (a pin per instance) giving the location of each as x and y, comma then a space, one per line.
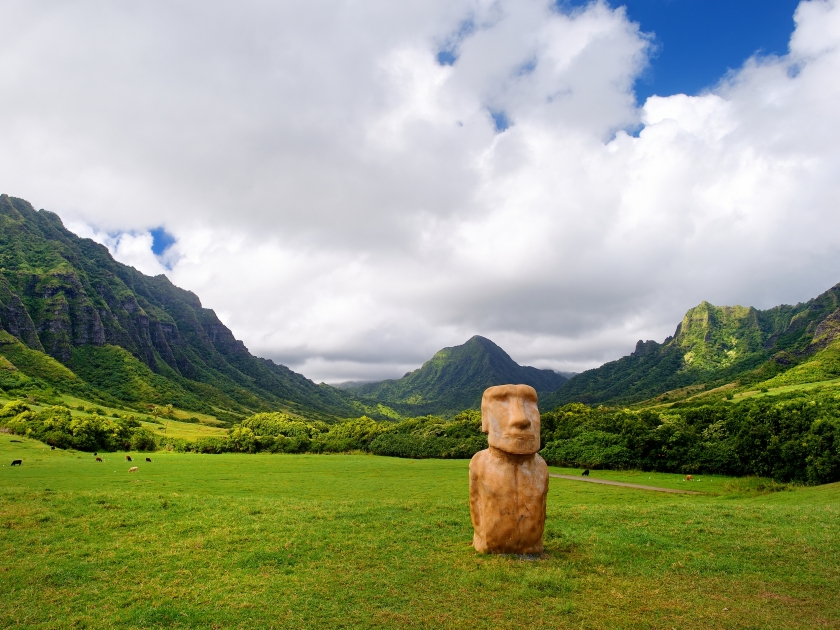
792, 437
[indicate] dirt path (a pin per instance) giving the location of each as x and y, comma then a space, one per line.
624, 485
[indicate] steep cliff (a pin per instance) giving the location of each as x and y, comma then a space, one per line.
112, 325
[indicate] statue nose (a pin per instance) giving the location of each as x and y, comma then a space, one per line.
519, 419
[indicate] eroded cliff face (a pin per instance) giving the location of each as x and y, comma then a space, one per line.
14, 318
59, 292
51, 304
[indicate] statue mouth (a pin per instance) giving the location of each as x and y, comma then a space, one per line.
520, 437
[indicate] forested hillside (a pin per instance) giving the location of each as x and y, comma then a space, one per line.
75, 318
455, 378
718, 345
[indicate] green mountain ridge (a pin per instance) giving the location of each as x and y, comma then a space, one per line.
454, 379
717, 345
73, 320
130, 337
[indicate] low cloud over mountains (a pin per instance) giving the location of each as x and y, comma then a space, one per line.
342, 195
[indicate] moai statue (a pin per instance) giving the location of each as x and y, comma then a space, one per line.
509, 481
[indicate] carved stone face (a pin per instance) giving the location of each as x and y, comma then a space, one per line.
510, 418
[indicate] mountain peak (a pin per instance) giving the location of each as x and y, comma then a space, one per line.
713, 337
456, 377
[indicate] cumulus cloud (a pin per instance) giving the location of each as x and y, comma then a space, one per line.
343, 194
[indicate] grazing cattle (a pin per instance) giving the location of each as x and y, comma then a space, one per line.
99, 459
95, 454
17, 462
689, 478
52, 448
149, 459
585, 473
128, 458
132, 469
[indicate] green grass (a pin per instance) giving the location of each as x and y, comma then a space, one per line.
831, 384
37, 364
349, 541
183, 430
752, 391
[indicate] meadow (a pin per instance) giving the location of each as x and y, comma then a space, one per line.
349, 541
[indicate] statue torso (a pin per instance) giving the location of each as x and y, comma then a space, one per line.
507, 501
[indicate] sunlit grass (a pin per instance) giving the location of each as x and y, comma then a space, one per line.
308, 541
183, 430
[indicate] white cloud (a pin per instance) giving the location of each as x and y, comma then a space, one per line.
347, 206
130, 248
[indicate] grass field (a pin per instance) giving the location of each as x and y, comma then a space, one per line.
697, 393
188, 431
346, 541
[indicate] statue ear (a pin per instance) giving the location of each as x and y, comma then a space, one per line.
485, 419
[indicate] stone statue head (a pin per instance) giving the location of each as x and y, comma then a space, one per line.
510, 418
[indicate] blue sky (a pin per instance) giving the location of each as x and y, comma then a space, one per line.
161, 240
698, 41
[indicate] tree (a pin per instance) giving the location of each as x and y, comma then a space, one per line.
163, 411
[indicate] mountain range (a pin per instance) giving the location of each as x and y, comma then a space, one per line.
454, 379
74, 317
715, 346
75, 321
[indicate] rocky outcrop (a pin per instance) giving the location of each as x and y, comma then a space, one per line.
645, 347
827, 330
15, 319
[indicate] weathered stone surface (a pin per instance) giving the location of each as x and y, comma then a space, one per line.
509, 480
15, 319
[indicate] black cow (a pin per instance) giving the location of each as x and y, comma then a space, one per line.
52, 448
128, 458
17, 462
585, 473
149, 459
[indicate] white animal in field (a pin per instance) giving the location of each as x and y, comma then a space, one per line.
132, 469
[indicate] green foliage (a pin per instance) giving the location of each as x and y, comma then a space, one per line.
433, 437
37, 364
276, 424
350, 435
426, 437
57, 427
714, 337
13, 408
590, 449
822, 366
116, 371
27, 372
787, 438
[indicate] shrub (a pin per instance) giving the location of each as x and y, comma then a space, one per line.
790, 438
591, 449
57, 427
